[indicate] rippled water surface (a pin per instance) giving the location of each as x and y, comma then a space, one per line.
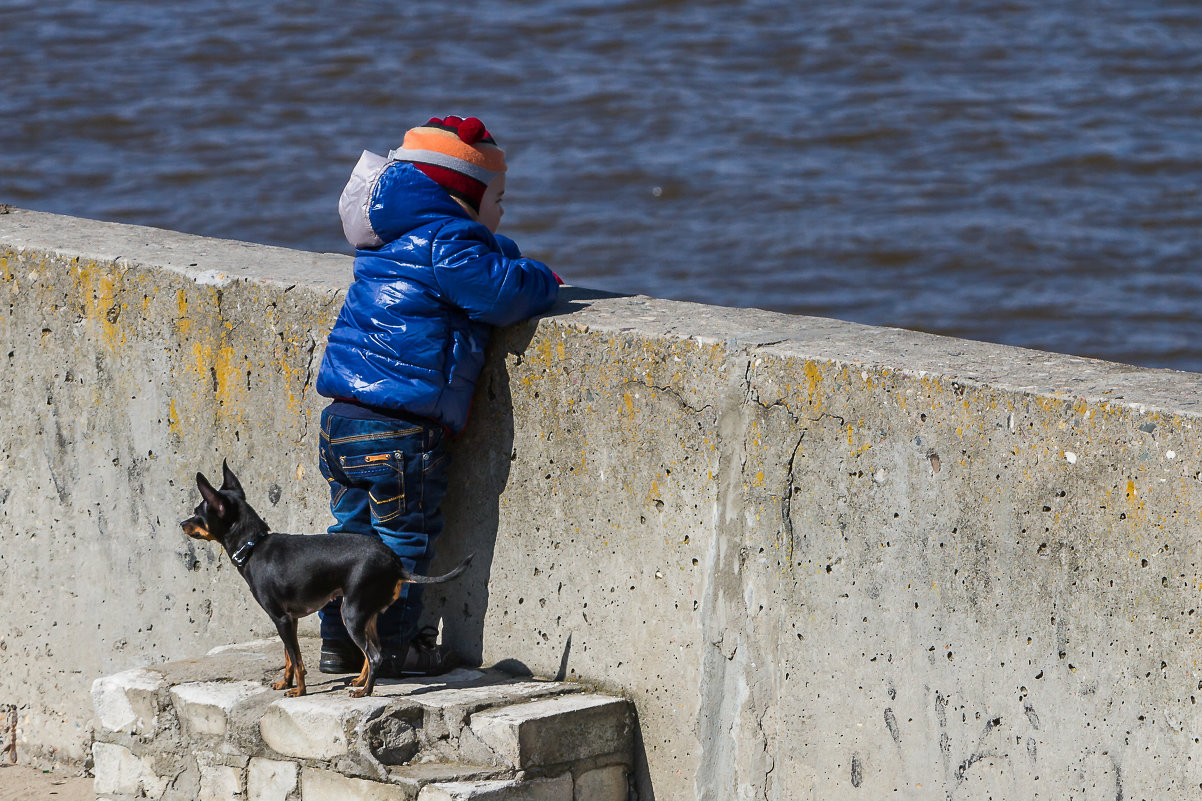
995, 170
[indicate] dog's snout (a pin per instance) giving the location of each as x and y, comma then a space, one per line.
195, 528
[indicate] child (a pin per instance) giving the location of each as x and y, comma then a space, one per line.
431, 279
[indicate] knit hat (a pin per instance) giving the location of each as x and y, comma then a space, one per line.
458, 154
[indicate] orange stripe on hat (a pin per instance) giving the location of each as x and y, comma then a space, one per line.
458, 154
481, 154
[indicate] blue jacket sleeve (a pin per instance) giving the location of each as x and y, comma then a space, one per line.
488, 285
508, 246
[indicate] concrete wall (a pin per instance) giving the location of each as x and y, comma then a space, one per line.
825, 560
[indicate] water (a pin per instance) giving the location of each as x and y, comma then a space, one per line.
1002, 170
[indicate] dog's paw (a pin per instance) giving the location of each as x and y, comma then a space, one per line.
282, 684
294, 692
358, 693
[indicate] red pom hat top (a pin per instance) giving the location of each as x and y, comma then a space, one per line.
458, 154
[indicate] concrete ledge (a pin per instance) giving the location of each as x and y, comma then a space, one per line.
822, 559
225, 734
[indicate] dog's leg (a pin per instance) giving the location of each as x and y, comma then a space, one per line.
294, 667
285, 681
374, 655
361, 679
362, 629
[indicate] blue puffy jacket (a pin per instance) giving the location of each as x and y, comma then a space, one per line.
410, 337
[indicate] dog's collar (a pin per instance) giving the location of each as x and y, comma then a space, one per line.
240, 556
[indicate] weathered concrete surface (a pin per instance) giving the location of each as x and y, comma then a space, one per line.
131, 358
825, 560
212, 728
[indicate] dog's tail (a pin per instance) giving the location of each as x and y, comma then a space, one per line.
462, 566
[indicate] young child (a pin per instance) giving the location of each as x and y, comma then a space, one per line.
431, 279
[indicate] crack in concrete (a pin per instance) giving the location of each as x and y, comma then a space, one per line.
771, 762
336, 296
309, 366
676, 396
787, 502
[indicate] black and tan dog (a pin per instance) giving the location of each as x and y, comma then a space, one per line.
292, 576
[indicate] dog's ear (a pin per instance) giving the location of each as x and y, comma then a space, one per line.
229, 481
212, 497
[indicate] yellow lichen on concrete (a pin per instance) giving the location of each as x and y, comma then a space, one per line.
813, 384
97, 288
229, 390
549, 352
182, 322
290, 371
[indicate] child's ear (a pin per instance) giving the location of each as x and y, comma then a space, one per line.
229, 481
211, 496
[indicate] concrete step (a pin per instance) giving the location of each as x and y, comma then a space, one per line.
213, 729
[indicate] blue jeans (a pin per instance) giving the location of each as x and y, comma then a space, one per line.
387, 479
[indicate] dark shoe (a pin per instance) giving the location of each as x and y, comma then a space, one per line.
423, 657
340, 656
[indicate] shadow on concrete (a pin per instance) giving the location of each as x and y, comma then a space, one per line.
479, 472
575, 298
518, 668
640, 773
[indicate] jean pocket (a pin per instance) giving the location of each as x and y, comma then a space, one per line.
383, 475
434, 461
337, 490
